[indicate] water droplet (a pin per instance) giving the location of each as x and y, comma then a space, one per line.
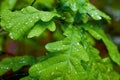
76, 63
11, 35
96, 13
75, 72
69, 72
109, 70
63, 45
74, 7
47, 14
31, 21
9, 25
37, 17
78, 43
52, 73
92, 15
26, 23
58, 49
56, 68
77, 49
8, 21
18, 23
40, 71
98, 17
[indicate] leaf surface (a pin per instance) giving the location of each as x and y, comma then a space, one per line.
15, 63
85, 8
66, 63
73, 58
98, 34
19, 23
40, 27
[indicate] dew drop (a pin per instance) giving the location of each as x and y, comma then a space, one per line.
40, 71
58, 49
18, 23
78, 43
69, 72
52, 73
96, 13
77, 49
109, 70
74, 7
75, 72
63, 45
92, 15
76, 63
37, 17
8, 21
11, 35
56, 68
26, 23
98, 17
9, 25
31, 21
47, 14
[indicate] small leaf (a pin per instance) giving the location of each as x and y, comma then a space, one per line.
37, 30
95, 13
57, 46
52, 26
47, 16
40, 27
15, 63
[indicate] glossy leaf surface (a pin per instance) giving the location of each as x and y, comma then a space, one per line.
20, 22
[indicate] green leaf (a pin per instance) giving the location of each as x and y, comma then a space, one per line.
74, 4
18, 23
47, 16
15, 63
40, 27
84, 7
57, 46
51, 26
95, 13
98, 34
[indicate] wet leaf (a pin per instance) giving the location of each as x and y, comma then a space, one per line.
73, 59
18, 23
15, 63
95, 13
98, 34
40, 27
